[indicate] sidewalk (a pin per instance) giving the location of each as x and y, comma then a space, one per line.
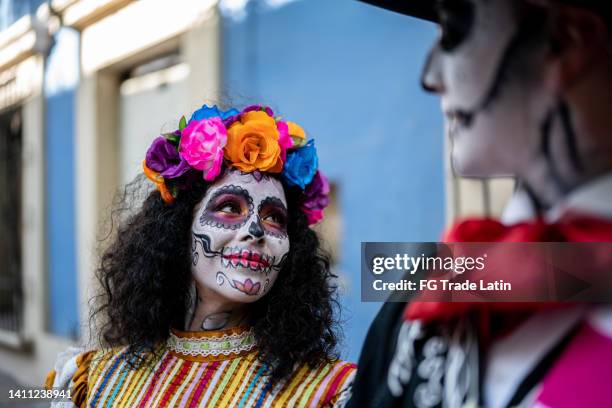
8, 383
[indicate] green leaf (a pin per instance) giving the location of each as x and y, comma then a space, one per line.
298, 142
172, 138
182, 123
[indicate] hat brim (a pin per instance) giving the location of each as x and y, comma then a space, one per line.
423, 9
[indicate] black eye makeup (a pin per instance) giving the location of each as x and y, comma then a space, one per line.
230, 207
273, 215
456, 19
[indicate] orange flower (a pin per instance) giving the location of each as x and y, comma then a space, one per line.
159, 182
252, 143
297, 134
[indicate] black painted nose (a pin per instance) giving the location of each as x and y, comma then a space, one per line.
256, 230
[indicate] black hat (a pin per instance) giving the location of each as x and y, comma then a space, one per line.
425, 9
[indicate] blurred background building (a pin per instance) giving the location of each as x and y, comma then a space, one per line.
85, 85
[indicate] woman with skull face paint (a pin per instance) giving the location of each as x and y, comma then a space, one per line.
526, 88
215, 292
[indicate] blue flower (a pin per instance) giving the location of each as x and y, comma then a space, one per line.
301, 165
207, 112
229, 113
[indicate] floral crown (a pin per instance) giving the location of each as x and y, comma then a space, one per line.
252, 140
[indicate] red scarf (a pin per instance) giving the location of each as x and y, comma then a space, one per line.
572, 227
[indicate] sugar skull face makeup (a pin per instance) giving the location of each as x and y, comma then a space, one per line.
240, 236
493, 105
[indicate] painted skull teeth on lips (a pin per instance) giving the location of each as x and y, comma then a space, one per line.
234, 257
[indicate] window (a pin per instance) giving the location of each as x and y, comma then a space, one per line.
10, 221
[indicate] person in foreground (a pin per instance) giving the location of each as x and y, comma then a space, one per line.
215, 292
526, 88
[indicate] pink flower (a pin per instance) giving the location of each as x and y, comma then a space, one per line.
313, 216
316, 198
284, 140
202, 143
316, 195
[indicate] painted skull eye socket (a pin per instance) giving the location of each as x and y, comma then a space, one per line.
456, 18
273, 214
229, 207
275, 217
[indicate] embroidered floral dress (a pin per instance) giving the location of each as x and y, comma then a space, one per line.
198, 369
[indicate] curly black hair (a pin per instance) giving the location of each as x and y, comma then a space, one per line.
145, 279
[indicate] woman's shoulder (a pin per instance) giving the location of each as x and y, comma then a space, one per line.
70, 372
329, 383
339, 369
74, 369
66, 365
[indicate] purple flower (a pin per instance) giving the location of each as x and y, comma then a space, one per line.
316, 194
230, 119
259, 108
163, 158
316, 198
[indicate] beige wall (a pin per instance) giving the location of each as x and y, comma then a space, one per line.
29, 353
109, 47
161, 95
105, 152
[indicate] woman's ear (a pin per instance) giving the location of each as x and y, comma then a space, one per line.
578, 38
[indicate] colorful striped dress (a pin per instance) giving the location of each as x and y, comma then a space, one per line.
205, 369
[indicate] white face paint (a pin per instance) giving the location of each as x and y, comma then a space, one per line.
240, 236
494, 111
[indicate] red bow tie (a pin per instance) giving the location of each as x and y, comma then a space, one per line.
572, 227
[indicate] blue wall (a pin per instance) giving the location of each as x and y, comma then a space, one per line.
61, 80
13, 10
349, 73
